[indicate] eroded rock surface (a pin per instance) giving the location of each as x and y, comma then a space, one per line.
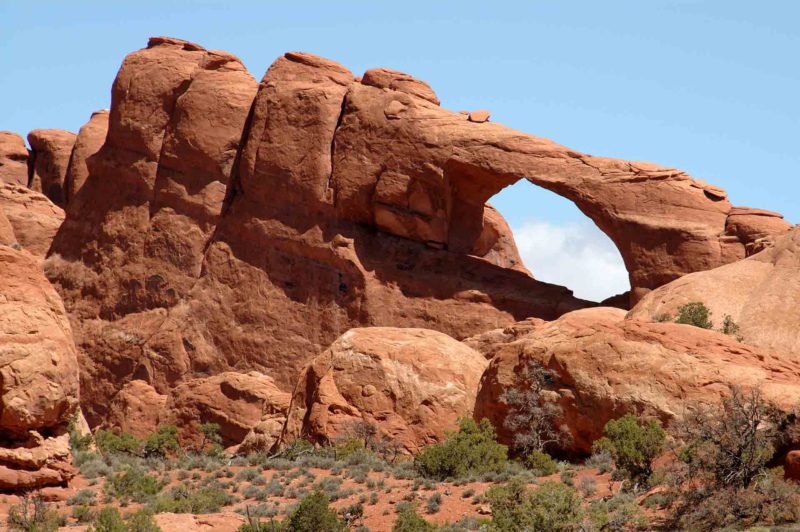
230, 226
38, 376
411, 384
761, 294
89, 141
28, 219
13, 159
606, 366
50, 153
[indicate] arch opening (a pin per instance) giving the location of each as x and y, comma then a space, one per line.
561, 245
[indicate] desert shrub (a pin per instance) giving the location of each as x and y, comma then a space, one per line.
530, 419
142, 521
551, 506
108, 520
473, 449
83, 497
620, 513
82, 514
314, 514
634, 444
111, 442
588, 486
662, 318
32, 514
158, 443
184, 500
295, 450
349, 448
730, 327
353, 514
602, 458
133, 484
694, 313
434, 503
540, 463
408, 520
724, 459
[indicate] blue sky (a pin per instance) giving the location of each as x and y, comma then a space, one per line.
710, 87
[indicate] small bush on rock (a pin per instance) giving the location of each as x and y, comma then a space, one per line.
695, 313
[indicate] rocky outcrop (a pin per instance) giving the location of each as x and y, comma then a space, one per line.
13, 159
411, 384
89, 141
232, 226
38, 376
605, 366
136, 409
50, 154
761, 294
237, 402
30, 219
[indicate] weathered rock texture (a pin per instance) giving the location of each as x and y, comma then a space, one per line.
237, 402
13, 159
760, 293
412, 384
606, 366
50, 154
38, 376
28, 219
230, 226
89, 141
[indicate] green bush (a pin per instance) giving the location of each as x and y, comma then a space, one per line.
108, 520
314, 514
32, 514
161, 441
408, 520
110, 442
183, 500
730, 327
142, 521
133, 484
77, 441
633, 444
620, 512
471, 450
82, 514
540, 463
552, 506
695, 313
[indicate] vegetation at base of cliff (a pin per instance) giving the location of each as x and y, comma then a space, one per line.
473, 449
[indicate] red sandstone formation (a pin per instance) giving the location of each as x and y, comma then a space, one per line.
50, 153
411, 384
230, 226
38, 376
761, 294
30, 219
606, 366
13, 159
90, 139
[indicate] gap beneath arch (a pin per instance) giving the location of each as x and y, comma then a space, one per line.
559, 244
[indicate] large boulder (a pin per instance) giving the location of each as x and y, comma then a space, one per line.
605, 366
50, 153
13, 159
89, 141
30, 219
38, 376
761, 294
237, 402
412, 384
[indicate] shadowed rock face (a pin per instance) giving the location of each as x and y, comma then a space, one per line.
13, 159
230, 226
50, 154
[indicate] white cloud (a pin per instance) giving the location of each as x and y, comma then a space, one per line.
576, 255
